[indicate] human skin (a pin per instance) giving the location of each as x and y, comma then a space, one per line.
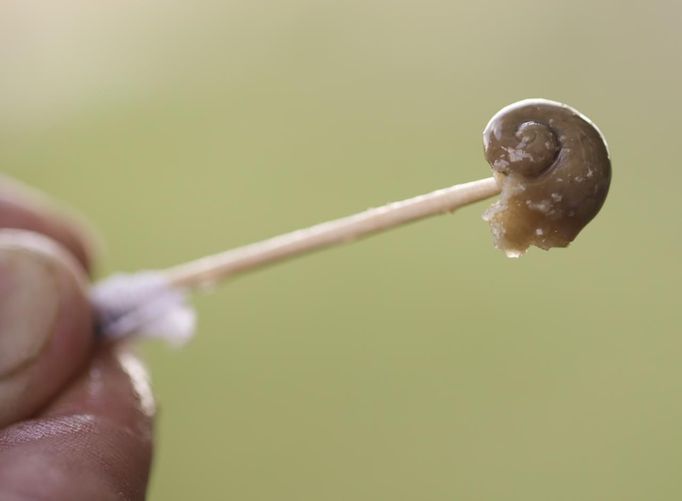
76, 417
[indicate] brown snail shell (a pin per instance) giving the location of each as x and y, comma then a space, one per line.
554, 171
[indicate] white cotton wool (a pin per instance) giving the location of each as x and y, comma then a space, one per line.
143, 305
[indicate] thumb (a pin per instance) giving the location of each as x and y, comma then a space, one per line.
45, 322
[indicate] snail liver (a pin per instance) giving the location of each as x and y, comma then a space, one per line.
554, 171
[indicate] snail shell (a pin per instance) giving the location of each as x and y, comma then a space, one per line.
554, 171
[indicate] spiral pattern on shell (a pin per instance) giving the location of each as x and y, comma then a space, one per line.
553, 167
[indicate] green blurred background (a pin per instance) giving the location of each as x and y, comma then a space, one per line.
422, 364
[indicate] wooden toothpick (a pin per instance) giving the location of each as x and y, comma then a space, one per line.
156, 303
213, 269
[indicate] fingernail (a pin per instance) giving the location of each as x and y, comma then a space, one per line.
29, 304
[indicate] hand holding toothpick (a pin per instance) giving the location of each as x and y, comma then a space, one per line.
551, 166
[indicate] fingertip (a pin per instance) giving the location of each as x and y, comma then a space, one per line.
99, 430
45, 322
